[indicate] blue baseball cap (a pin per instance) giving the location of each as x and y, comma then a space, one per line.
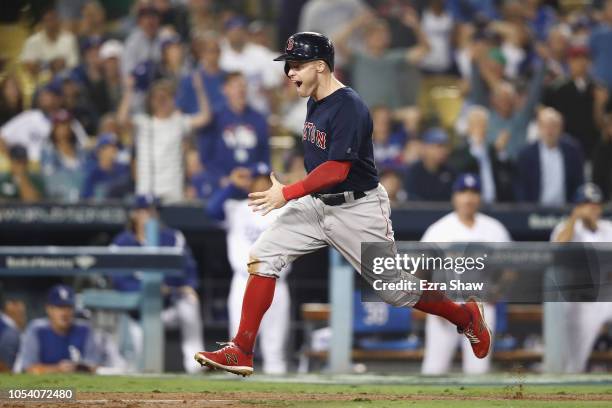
91, 42
435, 136
60, 295
144, 74
466, 181
106, 139
54, 87
260, 169
235, 22
143, 201
169, 40
588, 193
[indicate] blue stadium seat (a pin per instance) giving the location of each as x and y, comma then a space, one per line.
374, 320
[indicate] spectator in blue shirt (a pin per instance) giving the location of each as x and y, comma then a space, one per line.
106, 169
236, 135
59, 343
599, 44
209, 51
183, 309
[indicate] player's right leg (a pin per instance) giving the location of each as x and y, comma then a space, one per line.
297, 231
368, 220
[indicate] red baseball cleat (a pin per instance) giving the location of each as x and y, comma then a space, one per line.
229, 358
477, 332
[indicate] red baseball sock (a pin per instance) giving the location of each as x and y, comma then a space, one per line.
435, 302
256, 301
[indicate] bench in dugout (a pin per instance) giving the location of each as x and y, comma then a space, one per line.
385, 333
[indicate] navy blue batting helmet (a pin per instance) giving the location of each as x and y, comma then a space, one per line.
308, 46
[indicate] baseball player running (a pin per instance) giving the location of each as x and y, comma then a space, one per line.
339, 203
243, 228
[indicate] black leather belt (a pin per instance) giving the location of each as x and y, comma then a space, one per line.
338, 199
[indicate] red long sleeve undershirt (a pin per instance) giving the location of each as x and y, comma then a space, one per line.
323, 176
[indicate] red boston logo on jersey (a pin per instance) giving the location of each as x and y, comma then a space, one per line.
314, 136
290, 44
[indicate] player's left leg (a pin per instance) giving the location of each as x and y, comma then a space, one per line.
368, 220
296, 232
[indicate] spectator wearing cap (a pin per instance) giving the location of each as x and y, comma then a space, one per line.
551, 169
183, 310
59, 343
579, 100
63, 161
50, 47
464, 224
111, 53
12, 321
31, 128
599, 44
144, 43
243, 226
105, 170
208, 50
20, 183
159, 138
254, 61
585, 219
602, 166
235, 135
431, 178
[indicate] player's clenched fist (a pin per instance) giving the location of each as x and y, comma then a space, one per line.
271, 199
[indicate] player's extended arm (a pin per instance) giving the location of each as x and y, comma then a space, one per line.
325, 175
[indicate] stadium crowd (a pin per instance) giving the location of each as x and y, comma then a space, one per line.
174, 96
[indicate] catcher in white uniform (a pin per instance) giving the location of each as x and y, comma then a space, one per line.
464, 224
584, 319
243, 227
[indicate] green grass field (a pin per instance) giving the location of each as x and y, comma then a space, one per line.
327, 391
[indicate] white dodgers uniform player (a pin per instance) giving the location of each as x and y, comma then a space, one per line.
243, 227
584, 319
464, 224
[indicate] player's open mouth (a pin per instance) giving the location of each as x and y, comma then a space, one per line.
298, 83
